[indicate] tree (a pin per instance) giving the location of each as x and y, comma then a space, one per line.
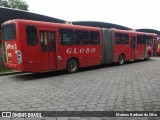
4, 3
17, 4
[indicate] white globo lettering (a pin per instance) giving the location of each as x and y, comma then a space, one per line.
81, 50
69, 50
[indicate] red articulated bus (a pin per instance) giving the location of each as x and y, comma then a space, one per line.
35, 46
131, 45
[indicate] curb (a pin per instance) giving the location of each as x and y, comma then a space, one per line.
10, 73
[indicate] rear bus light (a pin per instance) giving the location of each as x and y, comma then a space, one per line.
19, 55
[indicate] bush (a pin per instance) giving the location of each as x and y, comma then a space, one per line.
4, 70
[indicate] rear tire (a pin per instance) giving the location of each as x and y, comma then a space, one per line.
121, 60
72, 66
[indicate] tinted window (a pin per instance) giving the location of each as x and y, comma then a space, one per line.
66, 37
140, 39
31, 34
125, 39
118, 38
9, 32
52, 41
150, 40
94, 36
133, 42
122, 39
43, 38
144, 38
82, 37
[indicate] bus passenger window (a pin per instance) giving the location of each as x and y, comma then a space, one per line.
43, 39
125, 39
149, 40
52, 41
94, 36
66, 36
118, 39
82, 37
31, 34
145, 39
140, 39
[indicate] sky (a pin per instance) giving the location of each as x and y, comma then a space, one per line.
135, 14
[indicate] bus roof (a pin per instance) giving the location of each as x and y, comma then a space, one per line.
63, 25
49, 24
134, 32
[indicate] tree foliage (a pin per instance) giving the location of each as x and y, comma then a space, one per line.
17, 4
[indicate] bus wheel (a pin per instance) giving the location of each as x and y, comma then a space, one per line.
72, 66
121, 60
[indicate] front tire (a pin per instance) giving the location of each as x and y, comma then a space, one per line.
72, 66
121, 60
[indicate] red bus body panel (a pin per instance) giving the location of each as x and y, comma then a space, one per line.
34, 60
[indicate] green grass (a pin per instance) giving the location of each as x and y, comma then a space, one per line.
2, 70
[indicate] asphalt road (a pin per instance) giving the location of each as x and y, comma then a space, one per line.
134, 86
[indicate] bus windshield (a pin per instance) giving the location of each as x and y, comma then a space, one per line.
9, 32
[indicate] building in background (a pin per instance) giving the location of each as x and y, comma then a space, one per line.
9, 14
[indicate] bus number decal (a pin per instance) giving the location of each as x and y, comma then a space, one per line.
9, 46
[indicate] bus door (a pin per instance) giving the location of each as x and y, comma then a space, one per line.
48, 49
133, 46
